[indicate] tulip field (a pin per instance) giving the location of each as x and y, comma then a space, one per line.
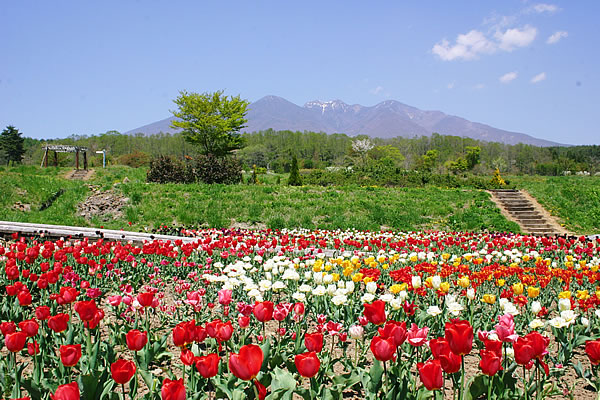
294, 314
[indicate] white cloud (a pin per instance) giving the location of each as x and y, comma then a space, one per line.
479, 86
377, 90
508, 77
468, 46
471, 45
539, 77
451, 85
542, 8
515, 37
556, 36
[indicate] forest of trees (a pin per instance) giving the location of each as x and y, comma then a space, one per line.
274, 150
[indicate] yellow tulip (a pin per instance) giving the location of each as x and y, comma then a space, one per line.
357, 277
336, 277
385, 266
464, 282
414, 259
500, 282
518, 288
445, 287
317, 267
533, 291
489, 298
395, 289
445, 256
564, 295
583, 295
368, 279
526, 258
327, 267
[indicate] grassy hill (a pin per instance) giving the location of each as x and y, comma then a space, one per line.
269, 205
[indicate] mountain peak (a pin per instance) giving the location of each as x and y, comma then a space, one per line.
387, 119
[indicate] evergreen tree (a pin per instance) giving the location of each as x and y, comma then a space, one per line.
294, 179
11, 144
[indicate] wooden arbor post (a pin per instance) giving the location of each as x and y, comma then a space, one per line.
85, 166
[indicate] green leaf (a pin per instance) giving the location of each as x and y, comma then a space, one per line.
477, 386
282, 379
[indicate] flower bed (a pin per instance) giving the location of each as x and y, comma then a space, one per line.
317, 314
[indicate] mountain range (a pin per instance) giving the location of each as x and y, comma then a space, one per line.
387, 119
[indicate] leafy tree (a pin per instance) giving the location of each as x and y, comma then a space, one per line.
11, 144
429, 160
472, 157
294, 179
211, 120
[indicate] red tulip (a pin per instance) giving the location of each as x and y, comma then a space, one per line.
208, 366
183, 333
122, 371
592, 349
459, 335
145, 299
262, 390
8, 327
30, 327
224, 331
136, 340
172, 390
417, 336
93, 323
440, 349
307, 364
33, 348
186, 356
67, 295
490, 362
15, 341
375, 312
70, 354
25, 298
314, 342
243, 321
431, 374
69, 391
395, 330
263, 311
524, 352
246, 365
42, 313
58, 322
539, 344
86, 309
383, 348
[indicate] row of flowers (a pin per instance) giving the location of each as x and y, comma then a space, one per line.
399, 315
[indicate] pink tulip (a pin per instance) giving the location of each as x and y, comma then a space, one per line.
505, 329
114, 300
225, 296
417, 336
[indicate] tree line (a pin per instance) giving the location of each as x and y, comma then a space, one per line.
273, 150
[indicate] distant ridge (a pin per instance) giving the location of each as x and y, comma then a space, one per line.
387, 119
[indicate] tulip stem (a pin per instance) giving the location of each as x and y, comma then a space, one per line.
462, 378
491, 385
525, 384
123, 387
255, 391
385, 376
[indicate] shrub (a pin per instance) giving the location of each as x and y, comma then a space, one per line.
211, 169
135, 160
165, 169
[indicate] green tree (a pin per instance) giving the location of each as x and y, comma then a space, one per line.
211, 121
11, 144
294, 179
429, 160
472, 157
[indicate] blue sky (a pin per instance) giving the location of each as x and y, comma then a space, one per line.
80, 67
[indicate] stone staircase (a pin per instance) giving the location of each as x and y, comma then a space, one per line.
525, 212
78, 174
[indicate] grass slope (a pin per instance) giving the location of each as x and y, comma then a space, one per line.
574, 199
270, 205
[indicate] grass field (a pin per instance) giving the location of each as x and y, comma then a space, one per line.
267, 205
574, 199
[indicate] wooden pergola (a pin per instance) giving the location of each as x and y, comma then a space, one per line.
61, 148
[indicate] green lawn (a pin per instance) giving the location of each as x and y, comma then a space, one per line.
574, 199
271, 205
